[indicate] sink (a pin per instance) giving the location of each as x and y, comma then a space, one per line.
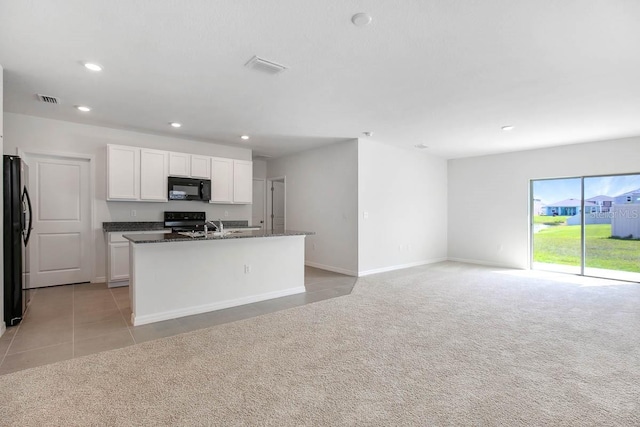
197, 234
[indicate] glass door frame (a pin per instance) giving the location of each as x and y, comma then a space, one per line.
583, 246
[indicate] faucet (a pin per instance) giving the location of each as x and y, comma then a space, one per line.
206, 226
220, 227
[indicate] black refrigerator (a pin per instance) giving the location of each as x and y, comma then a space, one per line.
17, 230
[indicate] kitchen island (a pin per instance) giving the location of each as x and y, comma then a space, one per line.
173, 275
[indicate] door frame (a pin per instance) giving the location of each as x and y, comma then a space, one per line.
264, 201
24, 154
270, 200
583, 233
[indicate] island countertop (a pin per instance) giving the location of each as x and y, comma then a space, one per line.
176, 237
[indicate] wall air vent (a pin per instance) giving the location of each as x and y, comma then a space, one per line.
265, 66
48, 99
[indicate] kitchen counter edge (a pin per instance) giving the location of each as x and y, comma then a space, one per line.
175, 237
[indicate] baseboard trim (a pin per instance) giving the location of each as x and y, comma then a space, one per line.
400, 266
174, 314
331, 268
99, 279
486, 263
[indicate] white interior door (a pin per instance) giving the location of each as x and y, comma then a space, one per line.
258, 206
60, 245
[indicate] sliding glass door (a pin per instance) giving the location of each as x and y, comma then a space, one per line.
612, 227
587, 225
557, 239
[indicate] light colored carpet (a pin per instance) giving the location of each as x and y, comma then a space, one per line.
448, 344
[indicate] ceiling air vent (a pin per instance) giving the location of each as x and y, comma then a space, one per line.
48, 99
261, 64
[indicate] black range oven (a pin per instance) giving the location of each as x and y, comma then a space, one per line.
184, 221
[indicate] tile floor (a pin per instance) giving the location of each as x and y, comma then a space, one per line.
64, 322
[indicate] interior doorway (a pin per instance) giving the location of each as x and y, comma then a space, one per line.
276, 204
61, 251
587, 225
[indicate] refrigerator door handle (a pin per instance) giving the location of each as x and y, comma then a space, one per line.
30, 226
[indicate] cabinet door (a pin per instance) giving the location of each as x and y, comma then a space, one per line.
123, 173
242, 181
118, 262
153, 175
221, 180
179, 164
200, 167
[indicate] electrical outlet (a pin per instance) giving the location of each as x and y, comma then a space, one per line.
365, 215
133, 212
226, 214
247, 269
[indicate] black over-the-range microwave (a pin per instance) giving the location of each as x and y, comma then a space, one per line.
189, 189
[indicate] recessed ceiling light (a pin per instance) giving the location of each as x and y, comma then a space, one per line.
367, 134
361, 19
92, 66
245, 137
176, 124
83, 108
508, 128
421, 146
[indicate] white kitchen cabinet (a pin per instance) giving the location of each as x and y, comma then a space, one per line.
119, 262
123, 173
242, 181
154, 165
200, 166
117, 259
180, 164
118, 256
221, 180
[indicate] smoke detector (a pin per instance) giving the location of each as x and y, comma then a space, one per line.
48, 99
265, 66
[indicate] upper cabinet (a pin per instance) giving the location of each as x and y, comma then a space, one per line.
154, 166
242, 181
221, 180
189, 165
179, 164
200, 166
140, 174
123, 173
231, 181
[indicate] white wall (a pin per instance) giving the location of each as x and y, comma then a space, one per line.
259, 169
322, 196
403, 193
489, 195
45, 135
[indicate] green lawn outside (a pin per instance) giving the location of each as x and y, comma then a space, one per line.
549, 219
561, 245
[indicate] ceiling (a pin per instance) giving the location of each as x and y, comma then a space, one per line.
445, 73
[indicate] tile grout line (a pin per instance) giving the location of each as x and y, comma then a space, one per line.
123, 316
6, 353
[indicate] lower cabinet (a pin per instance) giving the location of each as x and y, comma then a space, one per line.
118, 257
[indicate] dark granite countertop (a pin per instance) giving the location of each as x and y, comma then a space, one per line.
133, 226
176, 237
